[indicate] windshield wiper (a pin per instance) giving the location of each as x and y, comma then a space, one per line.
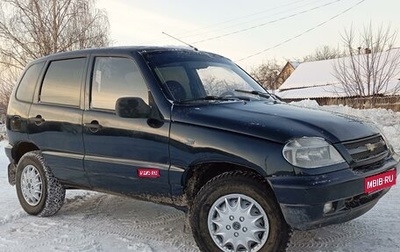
254, 92
214, 98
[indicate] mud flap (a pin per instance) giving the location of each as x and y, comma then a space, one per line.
12, 170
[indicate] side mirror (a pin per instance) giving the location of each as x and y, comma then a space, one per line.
132, 107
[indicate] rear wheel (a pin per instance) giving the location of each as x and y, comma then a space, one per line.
236, 211
39, 192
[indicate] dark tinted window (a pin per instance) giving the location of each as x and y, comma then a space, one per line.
28, 82
62, 83
113, 78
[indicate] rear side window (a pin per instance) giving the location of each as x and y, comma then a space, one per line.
62, 83
27, 84
115, 77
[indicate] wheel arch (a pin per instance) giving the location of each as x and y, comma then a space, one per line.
197, 176
21, 148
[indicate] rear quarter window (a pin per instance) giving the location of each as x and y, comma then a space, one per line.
27, 85
62, 82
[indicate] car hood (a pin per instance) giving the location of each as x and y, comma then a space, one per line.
276, 122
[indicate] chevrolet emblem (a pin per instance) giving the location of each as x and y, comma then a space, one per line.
370, 147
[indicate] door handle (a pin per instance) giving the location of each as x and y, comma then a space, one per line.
38, 120
93, 126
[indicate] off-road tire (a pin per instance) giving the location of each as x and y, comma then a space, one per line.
248, 186
49, 192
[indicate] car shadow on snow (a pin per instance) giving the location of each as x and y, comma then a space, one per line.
331, 238
160, 225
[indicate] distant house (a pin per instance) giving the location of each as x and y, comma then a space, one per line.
316, 79
286, 71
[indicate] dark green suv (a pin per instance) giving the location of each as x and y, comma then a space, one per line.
192, 130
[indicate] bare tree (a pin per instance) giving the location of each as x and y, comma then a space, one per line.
7, 80
324, 53
372, 63
266, 74
30, 29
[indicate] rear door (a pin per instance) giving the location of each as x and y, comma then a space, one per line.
124, 155
55, 119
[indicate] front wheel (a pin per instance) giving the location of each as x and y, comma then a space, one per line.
236, 211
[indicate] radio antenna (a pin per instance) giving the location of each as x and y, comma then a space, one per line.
183, 42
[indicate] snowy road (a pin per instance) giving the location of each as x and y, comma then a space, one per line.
91, 221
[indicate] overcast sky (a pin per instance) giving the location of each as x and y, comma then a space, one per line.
239, 29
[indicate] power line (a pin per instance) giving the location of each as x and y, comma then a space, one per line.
304, 32
270, 22
204, 30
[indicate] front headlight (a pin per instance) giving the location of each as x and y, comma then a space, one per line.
311, 152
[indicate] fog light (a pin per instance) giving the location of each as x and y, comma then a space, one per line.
328, 207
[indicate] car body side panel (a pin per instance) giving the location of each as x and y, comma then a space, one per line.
60, 140
17, 121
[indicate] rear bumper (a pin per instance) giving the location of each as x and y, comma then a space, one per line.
302, 198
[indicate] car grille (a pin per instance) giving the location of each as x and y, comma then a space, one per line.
367, 153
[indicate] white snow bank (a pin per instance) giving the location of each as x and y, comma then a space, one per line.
386, 120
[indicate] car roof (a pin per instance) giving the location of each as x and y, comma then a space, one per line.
117, 50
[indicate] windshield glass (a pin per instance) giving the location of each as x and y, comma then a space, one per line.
188, 76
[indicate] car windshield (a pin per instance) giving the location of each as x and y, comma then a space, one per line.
190, 76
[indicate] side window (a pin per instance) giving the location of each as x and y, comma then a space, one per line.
27, 84
62, 83
113, 78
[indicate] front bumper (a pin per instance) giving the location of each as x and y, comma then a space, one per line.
302, 198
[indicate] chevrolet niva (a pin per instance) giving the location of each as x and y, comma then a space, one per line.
190, 129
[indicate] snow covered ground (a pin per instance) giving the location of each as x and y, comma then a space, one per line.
91, 221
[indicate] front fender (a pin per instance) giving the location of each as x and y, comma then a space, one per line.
193, 146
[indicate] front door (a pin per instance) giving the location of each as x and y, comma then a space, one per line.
124, 155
